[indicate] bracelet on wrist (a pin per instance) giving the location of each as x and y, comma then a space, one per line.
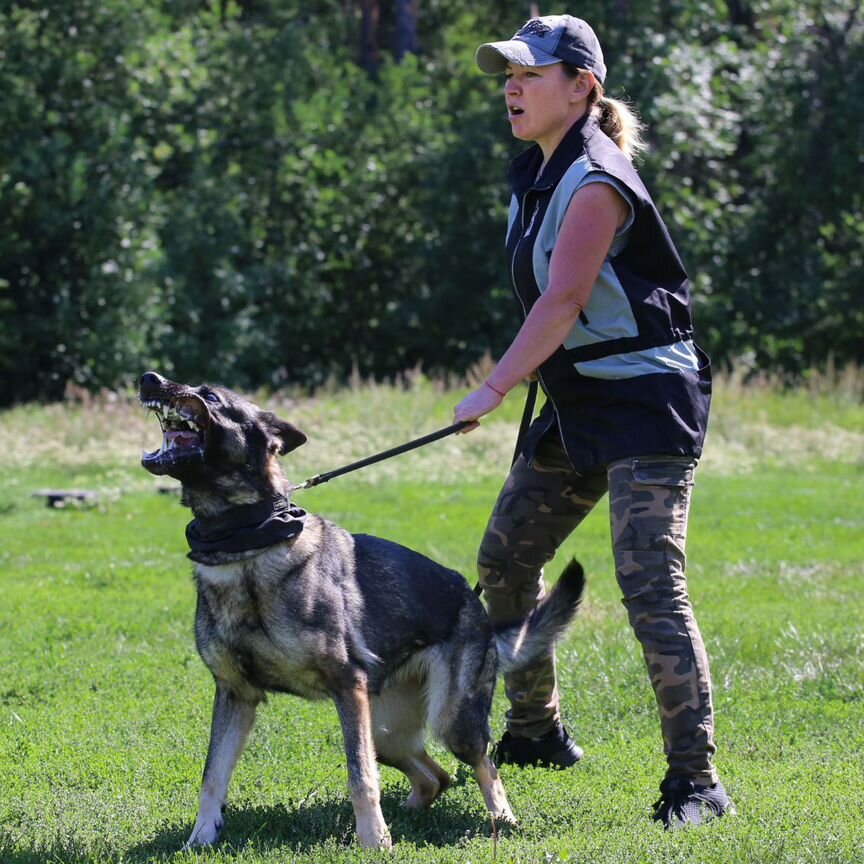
494, 389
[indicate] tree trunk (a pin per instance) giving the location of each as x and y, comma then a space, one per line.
370, 55
406, 28
741, 14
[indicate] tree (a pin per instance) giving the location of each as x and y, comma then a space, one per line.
221, 190
404, 27
74, 232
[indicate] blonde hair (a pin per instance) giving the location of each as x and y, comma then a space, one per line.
617, 119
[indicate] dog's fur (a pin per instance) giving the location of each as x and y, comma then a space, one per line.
397, 641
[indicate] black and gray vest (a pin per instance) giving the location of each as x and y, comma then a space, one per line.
628, 380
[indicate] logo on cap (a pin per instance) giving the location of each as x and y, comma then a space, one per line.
534, 27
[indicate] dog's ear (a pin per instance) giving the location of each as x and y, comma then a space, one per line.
288, 436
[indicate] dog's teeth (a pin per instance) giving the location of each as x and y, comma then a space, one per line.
155, 406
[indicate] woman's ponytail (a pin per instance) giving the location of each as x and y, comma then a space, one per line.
621, 123
617, 119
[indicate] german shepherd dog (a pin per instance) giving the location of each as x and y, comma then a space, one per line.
289, 602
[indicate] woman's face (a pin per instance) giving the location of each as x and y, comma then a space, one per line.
543, 102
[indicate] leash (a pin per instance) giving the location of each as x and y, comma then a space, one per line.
318, 479
524, 423
527, 417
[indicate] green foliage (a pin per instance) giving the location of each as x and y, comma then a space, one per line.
310, 242
220, 190
800, 258
72, 240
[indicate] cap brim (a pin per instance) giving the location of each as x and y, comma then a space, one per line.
493, 57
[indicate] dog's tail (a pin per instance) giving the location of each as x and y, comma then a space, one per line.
522, 643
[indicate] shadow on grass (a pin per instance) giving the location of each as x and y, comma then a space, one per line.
307, 827
302, 828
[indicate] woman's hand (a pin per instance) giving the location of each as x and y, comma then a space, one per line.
481, 401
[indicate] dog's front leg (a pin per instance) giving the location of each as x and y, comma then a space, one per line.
352, 705
232, 721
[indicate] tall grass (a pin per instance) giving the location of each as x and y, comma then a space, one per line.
754, 420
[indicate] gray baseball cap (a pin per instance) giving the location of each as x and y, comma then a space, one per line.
544, 41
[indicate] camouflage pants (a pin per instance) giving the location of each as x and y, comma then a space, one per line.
539, 506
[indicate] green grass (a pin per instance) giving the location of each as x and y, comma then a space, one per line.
104, 704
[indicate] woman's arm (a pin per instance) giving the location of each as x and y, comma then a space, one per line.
593, 216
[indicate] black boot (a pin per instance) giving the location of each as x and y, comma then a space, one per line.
555, 749
684, 802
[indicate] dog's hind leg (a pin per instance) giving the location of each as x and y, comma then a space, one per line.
398, 721
460, 699
428, 779
428, 767
352, 705
465, 739
232, 721
493, 790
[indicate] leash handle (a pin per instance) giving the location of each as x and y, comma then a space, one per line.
527, 417
318, 479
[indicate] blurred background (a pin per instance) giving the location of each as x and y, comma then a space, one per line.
277, 192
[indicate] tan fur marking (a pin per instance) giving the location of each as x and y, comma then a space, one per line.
493, 791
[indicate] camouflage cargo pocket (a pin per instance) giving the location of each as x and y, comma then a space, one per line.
660, 496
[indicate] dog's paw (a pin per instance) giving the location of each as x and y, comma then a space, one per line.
205, 833
505, 818
374, 839
425, 794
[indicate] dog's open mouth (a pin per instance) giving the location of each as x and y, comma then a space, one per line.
184, 421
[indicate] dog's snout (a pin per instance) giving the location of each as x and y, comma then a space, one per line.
151, 379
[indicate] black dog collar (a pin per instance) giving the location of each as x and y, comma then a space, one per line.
244, 528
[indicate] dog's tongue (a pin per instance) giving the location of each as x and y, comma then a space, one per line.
182, 439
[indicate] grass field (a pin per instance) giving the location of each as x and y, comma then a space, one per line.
104, 704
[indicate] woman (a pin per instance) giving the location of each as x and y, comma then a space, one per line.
608, 331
